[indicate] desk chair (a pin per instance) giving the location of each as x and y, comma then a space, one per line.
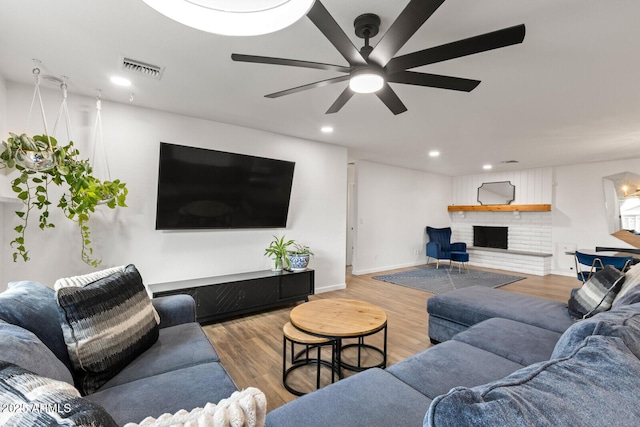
587, 264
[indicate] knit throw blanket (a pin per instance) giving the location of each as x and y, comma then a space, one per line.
246, 408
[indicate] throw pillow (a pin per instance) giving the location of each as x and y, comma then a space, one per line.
31, 400
632, 296
246, 408
596, 385
23, 348
597, 294
622, 322
632, 279
106, 324
33, 307
85, 279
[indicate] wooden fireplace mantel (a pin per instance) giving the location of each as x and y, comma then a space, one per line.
500, 208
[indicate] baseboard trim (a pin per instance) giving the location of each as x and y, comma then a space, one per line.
388, 267
330, 288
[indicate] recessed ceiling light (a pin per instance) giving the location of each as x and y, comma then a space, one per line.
434, 153
233, 17
120, 81
326, 129
487, 167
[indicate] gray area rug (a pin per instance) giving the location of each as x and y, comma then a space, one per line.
442, 280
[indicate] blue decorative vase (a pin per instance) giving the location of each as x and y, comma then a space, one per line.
299, 262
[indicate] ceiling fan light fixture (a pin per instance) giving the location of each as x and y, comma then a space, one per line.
234, 17
366, 80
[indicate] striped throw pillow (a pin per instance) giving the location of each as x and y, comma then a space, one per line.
597, 294
106, 324
85, 279
29, 399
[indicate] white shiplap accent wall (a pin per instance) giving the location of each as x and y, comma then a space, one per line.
533, 186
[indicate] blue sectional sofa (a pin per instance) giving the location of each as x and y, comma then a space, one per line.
503, 360
181, 370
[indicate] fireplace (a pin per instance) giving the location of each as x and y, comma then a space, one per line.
490, 237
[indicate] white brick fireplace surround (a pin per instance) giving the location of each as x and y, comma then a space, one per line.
529, 240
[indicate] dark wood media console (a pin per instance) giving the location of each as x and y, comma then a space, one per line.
235, 294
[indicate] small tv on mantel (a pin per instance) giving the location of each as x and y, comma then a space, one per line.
207, 189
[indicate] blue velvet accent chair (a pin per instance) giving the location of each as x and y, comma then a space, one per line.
587, 264
440, 246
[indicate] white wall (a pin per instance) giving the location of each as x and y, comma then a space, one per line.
393, 207
533, 186
3, 174
578, 208
317, 215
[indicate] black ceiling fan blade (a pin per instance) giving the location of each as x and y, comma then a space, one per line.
391, 100
342, 99
405, 26
482, 43
289, 62
433, 80
332, 31
308, 86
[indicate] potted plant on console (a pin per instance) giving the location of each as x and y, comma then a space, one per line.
299, 257
277, 250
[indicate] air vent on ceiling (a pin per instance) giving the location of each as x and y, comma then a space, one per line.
509, 161
139, 67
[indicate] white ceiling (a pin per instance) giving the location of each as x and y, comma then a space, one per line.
568, 94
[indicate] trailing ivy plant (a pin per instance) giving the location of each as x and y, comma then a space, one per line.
82, 191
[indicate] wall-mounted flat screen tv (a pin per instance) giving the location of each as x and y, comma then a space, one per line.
200, 188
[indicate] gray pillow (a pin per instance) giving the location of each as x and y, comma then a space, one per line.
631, 296
622, 322
23, 348
32, 306
598, 384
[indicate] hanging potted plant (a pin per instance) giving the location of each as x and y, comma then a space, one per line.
277, 250
299, 257
42, 162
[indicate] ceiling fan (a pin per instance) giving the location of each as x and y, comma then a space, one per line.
371, 69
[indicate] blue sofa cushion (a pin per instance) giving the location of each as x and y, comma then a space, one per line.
515, 341
32, 306
370, 398
29, 399
622, 322
187, 388
106, 325
23, 348
597, 294
177, 347
437, 369
474, 304
599, 383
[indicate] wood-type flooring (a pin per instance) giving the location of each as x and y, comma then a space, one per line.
250, 347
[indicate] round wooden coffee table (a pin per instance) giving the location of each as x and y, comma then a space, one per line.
338, 319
